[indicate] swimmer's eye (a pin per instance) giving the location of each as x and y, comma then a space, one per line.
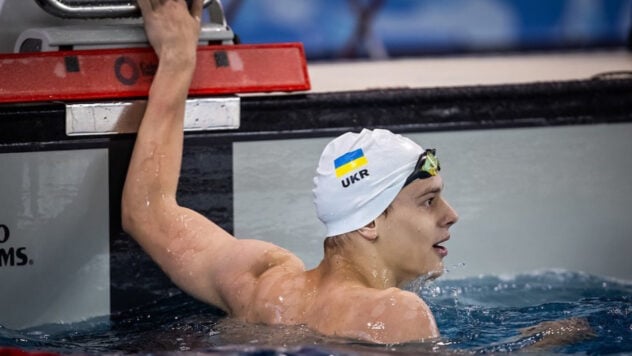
428, 202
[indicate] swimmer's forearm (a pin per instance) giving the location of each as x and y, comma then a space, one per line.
160, 135
184, 243
154, 169
155, 164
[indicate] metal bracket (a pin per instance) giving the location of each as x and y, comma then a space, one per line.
218, 113
112, 35
79, 9
104, 36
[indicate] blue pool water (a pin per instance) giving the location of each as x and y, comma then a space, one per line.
475, 315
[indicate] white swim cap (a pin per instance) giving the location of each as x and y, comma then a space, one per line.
359, 175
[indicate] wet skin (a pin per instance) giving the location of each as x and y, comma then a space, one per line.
414, 229
352, 293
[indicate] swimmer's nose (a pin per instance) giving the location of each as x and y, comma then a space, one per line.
450, 216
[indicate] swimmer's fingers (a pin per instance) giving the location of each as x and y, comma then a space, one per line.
156, 3
144, 5
147, 5
196, 9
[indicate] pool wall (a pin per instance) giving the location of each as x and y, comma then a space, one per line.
528, 198
539, 173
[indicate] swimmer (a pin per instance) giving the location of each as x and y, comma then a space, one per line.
379, 195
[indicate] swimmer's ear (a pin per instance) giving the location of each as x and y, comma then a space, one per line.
369, 231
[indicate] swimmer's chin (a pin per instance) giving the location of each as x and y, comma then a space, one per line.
422, 278
432, 275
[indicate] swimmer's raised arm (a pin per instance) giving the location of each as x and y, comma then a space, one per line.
199, 256
368, 253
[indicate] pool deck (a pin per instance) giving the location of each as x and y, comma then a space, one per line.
466, 70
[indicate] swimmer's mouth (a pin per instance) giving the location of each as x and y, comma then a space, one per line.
441, 250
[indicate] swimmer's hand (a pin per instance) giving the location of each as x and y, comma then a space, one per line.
558, 332
172, 30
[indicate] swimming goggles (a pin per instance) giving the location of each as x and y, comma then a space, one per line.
427, 166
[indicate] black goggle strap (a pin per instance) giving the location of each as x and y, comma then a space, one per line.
427, 166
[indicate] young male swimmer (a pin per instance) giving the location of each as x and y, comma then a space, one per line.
379, 195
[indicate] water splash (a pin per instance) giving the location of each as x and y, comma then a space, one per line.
475, 314
458, 266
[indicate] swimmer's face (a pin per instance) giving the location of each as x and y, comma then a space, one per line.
413, 231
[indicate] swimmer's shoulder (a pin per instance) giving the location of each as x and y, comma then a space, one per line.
396, 316
250, 273
383, 316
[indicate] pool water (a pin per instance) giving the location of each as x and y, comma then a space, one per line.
475, 315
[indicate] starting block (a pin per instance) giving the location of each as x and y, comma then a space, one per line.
104, 74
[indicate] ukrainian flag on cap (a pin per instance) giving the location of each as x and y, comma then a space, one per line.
349, 162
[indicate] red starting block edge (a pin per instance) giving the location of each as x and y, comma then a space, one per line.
10, 351
128, 72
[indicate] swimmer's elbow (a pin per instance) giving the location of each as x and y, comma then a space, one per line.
133, 216
139, 208
126, 223
128, 220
